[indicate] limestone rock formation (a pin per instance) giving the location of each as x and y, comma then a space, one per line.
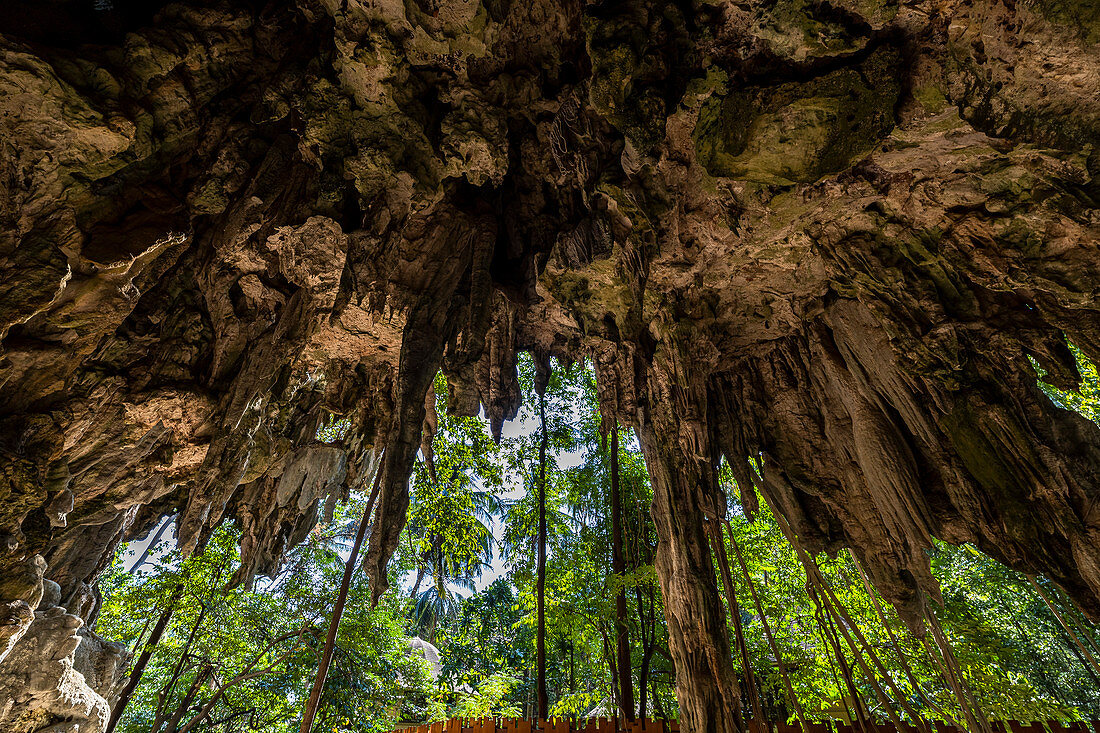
59, 676
827, 240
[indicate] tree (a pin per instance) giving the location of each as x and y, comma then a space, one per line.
239, 657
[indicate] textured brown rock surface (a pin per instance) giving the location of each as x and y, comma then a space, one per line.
827, 234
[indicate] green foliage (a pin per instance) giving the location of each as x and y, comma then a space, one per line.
1086, 400
243, 659
1010, 650
488, 700
1006, 642
261, 644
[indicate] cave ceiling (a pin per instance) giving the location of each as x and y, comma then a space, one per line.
829, 241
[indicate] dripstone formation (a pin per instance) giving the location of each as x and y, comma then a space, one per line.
831, 241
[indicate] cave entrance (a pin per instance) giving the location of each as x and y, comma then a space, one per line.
457, 635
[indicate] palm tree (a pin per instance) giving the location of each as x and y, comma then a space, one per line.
448, 565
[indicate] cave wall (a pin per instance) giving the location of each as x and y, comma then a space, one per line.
826, 236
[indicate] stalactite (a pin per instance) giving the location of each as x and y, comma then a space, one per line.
684, 486
221, 226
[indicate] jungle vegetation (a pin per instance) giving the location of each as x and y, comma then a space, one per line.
818, 641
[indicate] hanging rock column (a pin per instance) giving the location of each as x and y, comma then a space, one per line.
674, 441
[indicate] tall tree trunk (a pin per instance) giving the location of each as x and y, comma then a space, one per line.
338, 610
540, 583
735, 616
419, 579
188, 698
165, 695
618, 567
143, 660
1065, 627
767, 627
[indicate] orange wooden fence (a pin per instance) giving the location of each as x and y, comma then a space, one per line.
613, 725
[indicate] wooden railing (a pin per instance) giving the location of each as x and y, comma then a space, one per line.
553, 725
613, 725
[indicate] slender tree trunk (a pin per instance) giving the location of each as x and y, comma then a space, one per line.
647, 632
185, 703
642, 553
540, 583
419, 579
143, 660
643, 682
767, 627
735, 616
618, 566
1065, 627
613, 674
165, 695
338, 610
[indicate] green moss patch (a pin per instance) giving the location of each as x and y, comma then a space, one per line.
800, 131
